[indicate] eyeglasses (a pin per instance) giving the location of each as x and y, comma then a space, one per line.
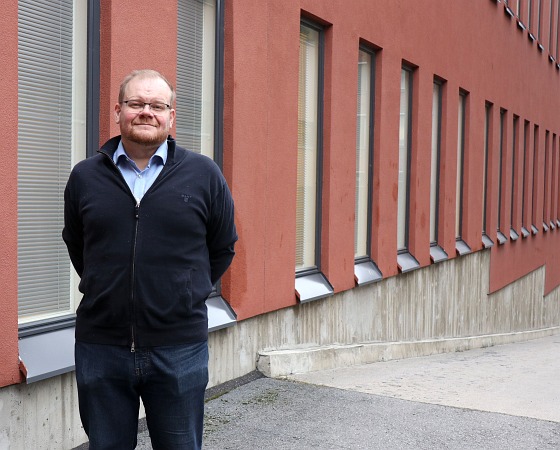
156, 107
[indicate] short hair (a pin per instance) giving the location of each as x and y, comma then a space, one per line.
144, 73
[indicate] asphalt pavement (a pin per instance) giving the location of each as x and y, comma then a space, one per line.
501, 397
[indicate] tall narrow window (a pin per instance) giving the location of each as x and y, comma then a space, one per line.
436, 252
52, 68
487, 129
364, 269
513, 233
309, 165
534, 192
405, 260
308, 150
461, 245
553, 183
196, 75
501, 236
524, 225
546, 191
363, 155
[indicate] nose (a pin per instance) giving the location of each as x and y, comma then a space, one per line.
146, 110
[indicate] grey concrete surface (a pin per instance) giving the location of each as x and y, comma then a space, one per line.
502, 397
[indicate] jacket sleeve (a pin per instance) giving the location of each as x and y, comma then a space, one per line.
221, 234
72, 233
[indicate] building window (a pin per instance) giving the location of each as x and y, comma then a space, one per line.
436, 252
52, 69
553, 183
512, 232
309, 165
405, 260
461, 245
503, 116
486, 241
199, 102
525, 178
546, 191
534, 191
196, 76
364, 269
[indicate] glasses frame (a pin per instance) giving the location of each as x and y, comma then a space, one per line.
149, 106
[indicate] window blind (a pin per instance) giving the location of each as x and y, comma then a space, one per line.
362, 155
196, 75
45, 59
306, 206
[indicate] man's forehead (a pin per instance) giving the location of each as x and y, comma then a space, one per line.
152, 85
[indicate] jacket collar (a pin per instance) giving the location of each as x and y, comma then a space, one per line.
174, 153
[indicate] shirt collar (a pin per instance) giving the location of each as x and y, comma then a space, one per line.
160, 153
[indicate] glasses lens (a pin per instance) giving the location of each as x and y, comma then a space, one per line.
158, 107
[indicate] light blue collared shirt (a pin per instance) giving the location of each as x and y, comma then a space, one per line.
139, 181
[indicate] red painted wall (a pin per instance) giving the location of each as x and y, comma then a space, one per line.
9, 372
471, 45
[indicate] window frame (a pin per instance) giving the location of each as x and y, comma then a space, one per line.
487, 242
461, 247
310, 283
405, 260
437, 253
365, 269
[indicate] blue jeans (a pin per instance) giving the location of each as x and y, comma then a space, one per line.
170, 380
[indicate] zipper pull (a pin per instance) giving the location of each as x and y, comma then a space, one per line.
137, 210
132, 349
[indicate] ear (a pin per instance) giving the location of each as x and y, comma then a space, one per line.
117, 112
171, 117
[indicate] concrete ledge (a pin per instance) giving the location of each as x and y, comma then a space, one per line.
281, 363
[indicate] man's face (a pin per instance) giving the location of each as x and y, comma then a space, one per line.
144, 127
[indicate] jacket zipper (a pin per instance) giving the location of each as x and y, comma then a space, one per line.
136, 216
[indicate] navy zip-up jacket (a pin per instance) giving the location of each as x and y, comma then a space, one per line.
146, 269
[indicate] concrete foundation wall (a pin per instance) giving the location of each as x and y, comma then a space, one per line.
444, 307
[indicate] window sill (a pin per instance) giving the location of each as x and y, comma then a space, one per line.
525, 232
437, 254
45, 353
545, 226
366, 272
462, 248
406, 262
534, 229
513, 235
313, 286
486, 241
502, 239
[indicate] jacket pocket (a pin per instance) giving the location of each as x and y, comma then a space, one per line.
165, 299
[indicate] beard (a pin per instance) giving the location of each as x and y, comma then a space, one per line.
146, 136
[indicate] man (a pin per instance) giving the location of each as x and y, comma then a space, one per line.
149, 229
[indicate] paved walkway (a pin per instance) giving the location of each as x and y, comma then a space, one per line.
502, 397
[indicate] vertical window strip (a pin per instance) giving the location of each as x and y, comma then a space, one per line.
546, 192
51, 126
551, 28
513, 167
488, 113
460, 160
364, 146
404, 159
535, 171
196, 55
553, 192
523, 174
501, 167
309, 149
436, 148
